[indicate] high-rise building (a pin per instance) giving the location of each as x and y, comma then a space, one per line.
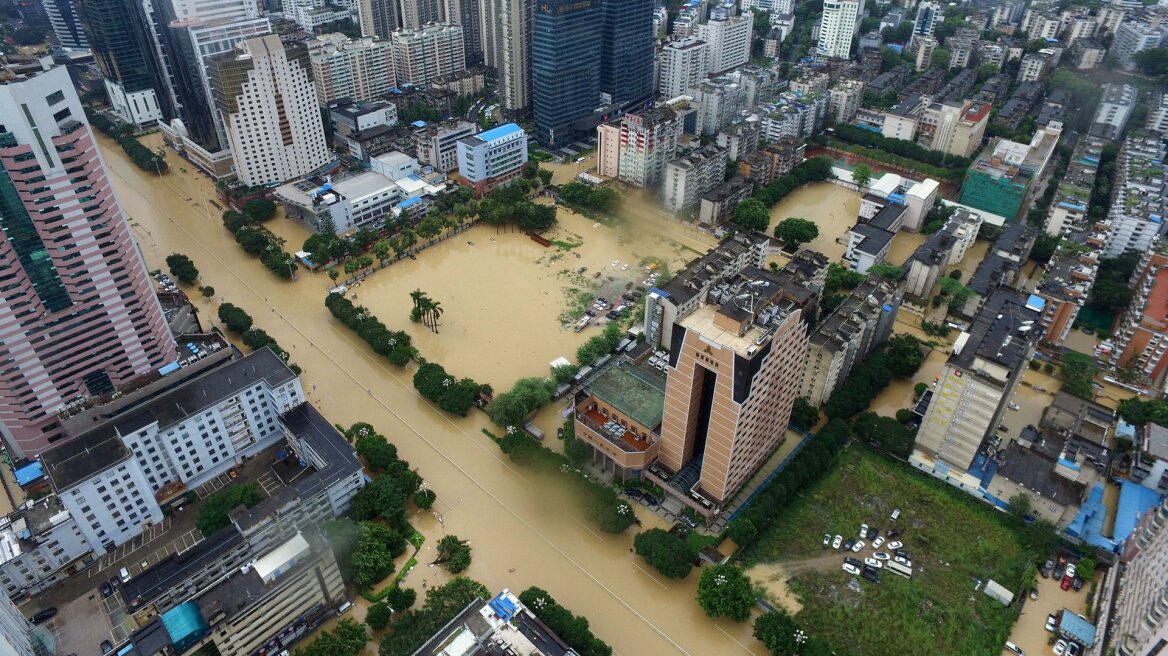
507, 50
608, 149
379, 18
66, 21
729, 38
1133, 37
120, 37
418, 13
424, 54
928, 16
1141, 337
687, 178
265, 94
357, 69
79, 316
837, 26
18, 636
954, 127
565, 55
1137, 620
626, 49
1136, 218
493, 158
467, 15
683, 66
648, 140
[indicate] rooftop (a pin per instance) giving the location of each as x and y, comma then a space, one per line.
633, 391
500, 627
1033, 471
1001, 332
499, 132
873, 240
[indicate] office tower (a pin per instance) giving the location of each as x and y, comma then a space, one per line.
265, 93
507, 50
837, 27
66, 22
683, 66
79, 317
119, 35
928, 15
466, 14
648, 140
565, 63
626, 48
418, 13
728, 37
378, 18
357, 69
424, 54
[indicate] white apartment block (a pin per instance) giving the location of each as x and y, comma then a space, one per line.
648, 139
437, 145
683, 66
1136, 219
729, 39
113, 478
1034, 67
137, 107
837, 26
773, 6
608, 149
1138, 623
490, 158
719, 102
1132, 37
40, 544
313, 14
357, 69
424, 54
265, 93
845, 99
688, 177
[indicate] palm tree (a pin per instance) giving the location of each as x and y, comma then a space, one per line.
435, 311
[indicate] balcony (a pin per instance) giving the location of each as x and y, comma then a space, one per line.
618, 444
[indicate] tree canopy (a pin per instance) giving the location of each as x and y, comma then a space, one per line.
447, 392
215, 513
512, 408
862, 175
751, 214
182, 267
666, 552
348, 638
726, 591
804, 413
572, 629
453, 554
1078, 374
795, 232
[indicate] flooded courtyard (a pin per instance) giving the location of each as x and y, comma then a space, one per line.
521, 537
832, 208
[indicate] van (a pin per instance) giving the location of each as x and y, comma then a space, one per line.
344, 608
896, 514
124, 575
1014, 648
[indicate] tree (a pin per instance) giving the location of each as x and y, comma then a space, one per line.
919, 389
377, 617
348, 638
454, 596
525, 397
233, 221
776, 631
885, 270
804, 413
182, 267
572, 629
1086, 568
1153, 61
795, 232
905, 357
333, 274
215, 513
28, 36
381, 250
234, 318
1044, 248
751, 214
371, 559
1020, 504
207, 291
1078, 374
259, 209
742, 531
424, 499
377, 451
986, 71
400, 599
884, 432
862, 175
666, 552
904, 415
453, 554
725, 591
940, 58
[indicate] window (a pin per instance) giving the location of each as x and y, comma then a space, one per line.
55, 97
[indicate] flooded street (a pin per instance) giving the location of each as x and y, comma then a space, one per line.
521, 537
1029, 631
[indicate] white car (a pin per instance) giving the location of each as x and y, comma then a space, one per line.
826, 539
615, 263
1060, 648
1050, 623
872, 562
895, 544
903, 561
880, 555
877, 543
863, 531
851, 569
1070, 572
858, 546
835, 544
1013, 406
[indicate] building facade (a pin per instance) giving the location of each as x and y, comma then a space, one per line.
65, 18
729, 37
1114, 109
507, 37
837, 27
648, 140
437, 144
119, 35
565, 61
688, 177
491, 159
378, 18
356, 69
683, 66
426, 53
1138, 619
80, 318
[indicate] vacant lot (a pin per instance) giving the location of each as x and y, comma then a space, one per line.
954, 542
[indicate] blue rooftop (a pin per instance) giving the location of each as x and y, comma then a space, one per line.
185, 625
498, 133
29, 473
1088, 524
418, 124
1077, 628
409, 201
1134, 501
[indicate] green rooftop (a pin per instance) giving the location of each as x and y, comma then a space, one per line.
638, 394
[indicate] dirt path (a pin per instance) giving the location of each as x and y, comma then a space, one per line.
773, 577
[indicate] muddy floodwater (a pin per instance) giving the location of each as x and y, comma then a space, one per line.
831, 207
522, 531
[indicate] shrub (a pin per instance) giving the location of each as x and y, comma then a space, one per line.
377, 617
572, 629
666, 552
424, 499
235, 319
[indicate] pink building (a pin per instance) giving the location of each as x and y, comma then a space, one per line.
78, 316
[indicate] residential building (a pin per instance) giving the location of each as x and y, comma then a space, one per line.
1020, 105
115, 478
791, 116
1064, 288
784, 155
717, 205
1034, 67
1136, 217
493, 158
19, 637
608, 145
436, 144
740, 139
80, 319
719, 103
313, 15
809, 82
507, 35
928, 17
467, 14
688, 177
266, 83
845, 97
378, 18
565, 55
979, 379
916, 197
729, 38
349, 117
1150, 468
1132, 37
838, 25
999, 179
944, 248
962, 45
683, 66
647, 140
355, 69
1137, 620
119, 35
954, 127
1114, 109
360, 200
416, 14
870, 239
1141, 336
428, 52
460, 84
862, 321
1002, 264
1158, 114
502, 624
65, 18
40, 545
781, 27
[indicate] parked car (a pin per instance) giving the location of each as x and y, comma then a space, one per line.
44, 615
1066, 583
895, 544
863, 531
1058, 572
903, 561
1060, 648
1014, 648
871, 574
106, 646
849, 544
105, 589
1073, 648
895, 514
1046, 569
1034, 593
880, 555
851, 569
853, 561
1077, 583
873, 532
649, 500
891, 533
877, 543
633, 493
827, 539
872, 562
1051, 624
858, 546
835, 544
1071, 571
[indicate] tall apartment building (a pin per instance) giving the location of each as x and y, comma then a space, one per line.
1137, 621
729, 39
1114, 109
837, 26
119, 35
467, 14
979, 379
1136, 218
954, 127
688, 177
357, 69
648, 140
65, 18
19, 637
844, 99
683, 66
565, 56
1132, 37
426, 53
378, 18
719, 102
928, 17
507, 50
608, 149
847, 336
266, 84
493, 158
416, 14
437, 144
79, 316
1141, 337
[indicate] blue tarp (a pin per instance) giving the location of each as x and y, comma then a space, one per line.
29, 473
984, 469
185, 625
1088, 524
504, 607
1134, 501
409, 201
1077, 628
168, 369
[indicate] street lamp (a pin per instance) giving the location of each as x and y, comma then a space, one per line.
800, 638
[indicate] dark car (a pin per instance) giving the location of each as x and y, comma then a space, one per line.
854, 561
870, 574
613, 315
1046, 569
893, 533
873, 532
649, 500
903, 554
105, 589
1059, 570
114, 582
106, 646
849, 544
44, 615
1077, 584
633, 493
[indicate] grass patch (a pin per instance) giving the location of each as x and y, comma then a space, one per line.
698, 541
566, 245
954, 539
416, 539
404, 570
540, 155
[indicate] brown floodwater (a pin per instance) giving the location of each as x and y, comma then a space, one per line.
522, 533
831, 207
